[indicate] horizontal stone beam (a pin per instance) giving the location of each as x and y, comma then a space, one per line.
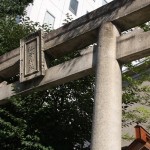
54, 76
115, 11
128, 46
82, 32
9, 64
133, 46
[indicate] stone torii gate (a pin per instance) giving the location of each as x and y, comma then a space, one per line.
103, 26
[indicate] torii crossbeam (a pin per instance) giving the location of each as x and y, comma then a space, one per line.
103, 26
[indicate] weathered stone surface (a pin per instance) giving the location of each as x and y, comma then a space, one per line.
133, 46
82, 32
106, 131
9, 64
59, 72
3, 84
31, 57
130, 47
65, 72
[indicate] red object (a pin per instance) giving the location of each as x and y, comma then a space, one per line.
142, 141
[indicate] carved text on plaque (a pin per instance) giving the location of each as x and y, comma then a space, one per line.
31, 57
32, 60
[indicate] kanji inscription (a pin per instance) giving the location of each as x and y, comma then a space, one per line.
31, 57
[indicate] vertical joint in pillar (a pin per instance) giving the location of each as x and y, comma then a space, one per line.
106, 130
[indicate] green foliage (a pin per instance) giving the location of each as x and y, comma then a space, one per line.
136, 91
15, 133
141, 114
13, 7
61, 117
127, 137
146, 27
68, 19
12, 32
138, 114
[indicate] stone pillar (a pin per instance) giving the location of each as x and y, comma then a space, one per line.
106, 131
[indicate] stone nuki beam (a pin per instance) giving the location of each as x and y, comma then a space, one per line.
129, 47
9, 64
133, 46
54, 76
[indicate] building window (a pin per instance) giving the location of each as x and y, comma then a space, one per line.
73, 6
49, 19
104, 2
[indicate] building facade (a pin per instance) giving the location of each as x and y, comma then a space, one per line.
53, 12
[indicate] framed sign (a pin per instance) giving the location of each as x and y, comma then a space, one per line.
32, 62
